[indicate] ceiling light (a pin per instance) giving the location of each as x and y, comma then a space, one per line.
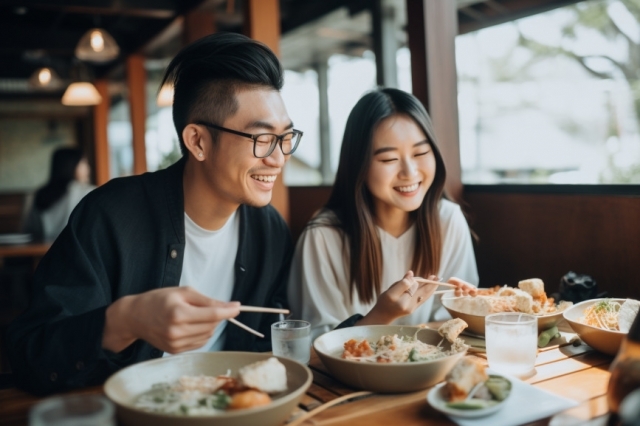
97, 45
81, 94
165, 97
45, 78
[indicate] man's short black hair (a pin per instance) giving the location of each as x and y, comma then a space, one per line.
207, 73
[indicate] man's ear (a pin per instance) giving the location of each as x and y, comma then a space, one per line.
195, 139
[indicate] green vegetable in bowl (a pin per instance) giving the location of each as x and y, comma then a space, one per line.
499, 387
548, 335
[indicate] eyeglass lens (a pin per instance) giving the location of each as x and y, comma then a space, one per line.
265, 142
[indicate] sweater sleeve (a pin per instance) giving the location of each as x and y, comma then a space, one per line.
318, 288
56, 344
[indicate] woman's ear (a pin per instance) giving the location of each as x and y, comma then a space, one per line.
194, 137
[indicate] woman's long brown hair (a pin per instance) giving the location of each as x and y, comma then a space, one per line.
352, 202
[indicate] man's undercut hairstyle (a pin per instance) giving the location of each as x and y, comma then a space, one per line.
207, 74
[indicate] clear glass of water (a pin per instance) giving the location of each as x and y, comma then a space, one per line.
73, 410
512, 343
292, 339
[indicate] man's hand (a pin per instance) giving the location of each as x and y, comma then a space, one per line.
174, 319
402, 298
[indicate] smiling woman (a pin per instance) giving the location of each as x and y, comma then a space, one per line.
386, 216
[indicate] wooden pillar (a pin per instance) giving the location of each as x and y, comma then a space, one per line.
197, 24
262, 23
434, 77
136, 84
100, 120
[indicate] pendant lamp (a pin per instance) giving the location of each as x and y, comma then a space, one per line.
81, 94
97, 45
45, 78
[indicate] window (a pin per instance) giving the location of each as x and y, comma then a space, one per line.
552, 98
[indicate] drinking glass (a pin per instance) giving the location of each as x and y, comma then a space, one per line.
512, 342
73, 410
292, 339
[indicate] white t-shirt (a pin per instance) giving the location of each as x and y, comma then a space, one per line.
318, 290
208, 266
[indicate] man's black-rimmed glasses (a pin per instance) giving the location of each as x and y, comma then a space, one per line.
265, 143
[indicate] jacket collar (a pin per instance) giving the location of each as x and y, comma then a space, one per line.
174, 192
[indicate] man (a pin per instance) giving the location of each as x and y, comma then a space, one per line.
147, 264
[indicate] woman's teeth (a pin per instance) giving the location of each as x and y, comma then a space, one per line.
409, 188
265, 178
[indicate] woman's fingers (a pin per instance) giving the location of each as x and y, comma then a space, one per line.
407, 285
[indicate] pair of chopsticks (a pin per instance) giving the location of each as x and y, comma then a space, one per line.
256, 309
426, 281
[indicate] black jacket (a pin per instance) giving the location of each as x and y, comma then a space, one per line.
124, 238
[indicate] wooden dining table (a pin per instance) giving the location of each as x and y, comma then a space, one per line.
566, 367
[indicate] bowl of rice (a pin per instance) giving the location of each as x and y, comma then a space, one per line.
602, 323
198, 389
388, 358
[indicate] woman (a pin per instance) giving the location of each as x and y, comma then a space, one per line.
53, 203
386, 216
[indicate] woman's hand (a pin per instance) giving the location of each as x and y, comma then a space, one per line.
401, 299
463, 288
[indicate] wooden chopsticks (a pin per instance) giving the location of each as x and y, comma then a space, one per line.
244, 308
426, 281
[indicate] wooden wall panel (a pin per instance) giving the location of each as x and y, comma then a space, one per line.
545, 236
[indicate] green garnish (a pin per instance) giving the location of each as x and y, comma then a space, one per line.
499, 387
472, 404
220, 401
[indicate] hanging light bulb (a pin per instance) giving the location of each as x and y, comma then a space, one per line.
165, 97
97, 45
45, 78
81, 94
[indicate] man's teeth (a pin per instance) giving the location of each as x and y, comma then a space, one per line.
409, 188
265, 178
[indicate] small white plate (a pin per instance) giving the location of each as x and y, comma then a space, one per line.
436, 399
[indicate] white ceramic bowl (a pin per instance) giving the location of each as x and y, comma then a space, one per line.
125, 386
476, 322
602, 340
386, 378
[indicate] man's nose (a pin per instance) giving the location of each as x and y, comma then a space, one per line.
276, 158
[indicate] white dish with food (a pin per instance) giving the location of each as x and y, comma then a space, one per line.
437, 399
598, 322
516, 408
193, 390
388, 358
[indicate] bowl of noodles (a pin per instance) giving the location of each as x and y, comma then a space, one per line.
199, 389
598, 322
388, 358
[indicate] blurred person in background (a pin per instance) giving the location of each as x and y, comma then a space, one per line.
386, 219
52, 204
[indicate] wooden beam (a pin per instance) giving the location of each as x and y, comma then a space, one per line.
418, 49
197, 24
100, 120
432, 28
137, 82
262, 23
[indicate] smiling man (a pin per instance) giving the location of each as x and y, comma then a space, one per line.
155, 264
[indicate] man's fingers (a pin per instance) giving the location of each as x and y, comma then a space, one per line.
211, 314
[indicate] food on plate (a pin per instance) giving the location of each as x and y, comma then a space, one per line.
611, 315
204, 395
529, 298
451, 329
393, 349
467, 386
